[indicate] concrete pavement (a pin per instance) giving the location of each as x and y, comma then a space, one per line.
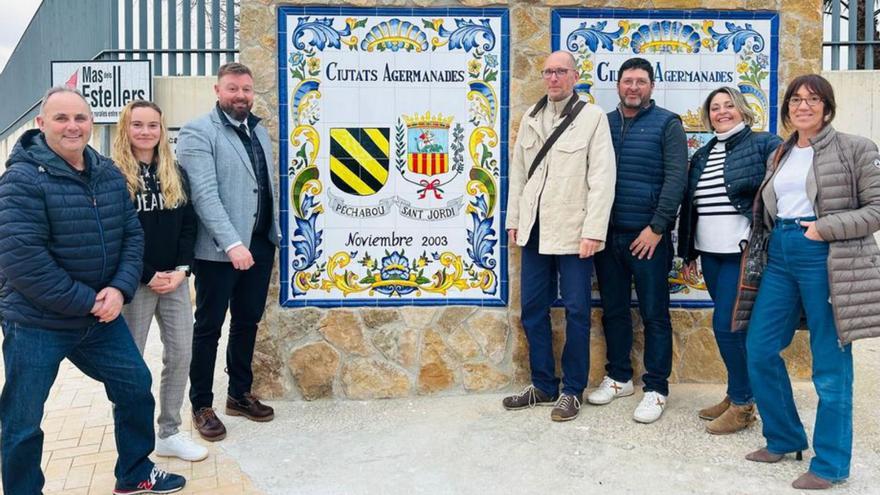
458, 445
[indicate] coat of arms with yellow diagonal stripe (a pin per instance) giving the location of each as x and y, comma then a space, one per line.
359, 159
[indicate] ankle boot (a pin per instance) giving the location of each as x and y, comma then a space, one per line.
710, 413
734, 419
809, 481
764, 455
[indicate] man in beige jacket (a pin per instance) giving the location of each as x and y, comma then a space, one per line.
559, 216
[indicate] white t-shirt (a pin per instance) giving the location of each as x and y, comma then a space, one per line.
790, 184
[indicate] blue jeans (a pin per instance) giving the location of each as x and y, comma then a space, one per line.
104, 352
795, 280
543, 278
721, 273
616, 268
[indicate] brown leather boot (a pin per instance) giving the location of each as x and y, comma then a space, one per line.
209, 425
764, 455
250, 407
710, 413
809, 481
734, 419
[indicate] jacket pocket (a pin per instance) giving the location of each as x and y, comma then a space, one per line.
570, 147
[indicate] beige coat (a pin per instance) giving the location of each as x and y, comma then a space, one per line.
574, 194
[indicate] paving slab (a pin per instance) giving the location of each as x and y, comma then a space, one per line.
470, 445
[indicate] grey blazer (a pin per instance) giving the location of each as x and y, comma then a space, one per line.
223, 185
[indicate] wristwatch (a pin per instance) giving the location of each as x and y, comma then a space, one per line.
183, 268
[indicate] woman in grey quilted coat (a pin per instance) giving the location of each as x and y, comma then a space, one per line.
815, 215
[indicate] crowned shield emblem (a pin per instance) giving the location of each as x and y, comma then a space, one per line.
428, 144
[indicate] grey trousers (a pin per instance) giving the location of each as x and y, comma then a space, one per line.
174, 314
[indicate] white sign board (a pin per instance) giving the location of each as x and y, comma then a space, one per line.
108, 85
693, 53
393, 152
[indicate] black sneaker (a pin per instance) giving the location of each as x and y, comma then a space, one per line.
529, 397
566, 408
159, 481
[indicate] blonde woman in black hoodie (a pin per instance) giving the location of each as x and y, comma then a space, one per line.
158, 188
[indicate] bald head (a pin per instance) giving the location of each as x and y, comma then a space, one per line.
559, 75
563, 56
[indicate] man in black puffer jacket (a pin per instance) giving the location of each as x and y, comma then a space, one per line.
70, 255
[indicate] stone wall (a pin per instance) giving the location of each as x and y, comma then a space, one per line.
367, 353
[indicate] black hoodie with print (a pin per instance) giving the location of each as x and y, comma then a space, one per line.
169, 233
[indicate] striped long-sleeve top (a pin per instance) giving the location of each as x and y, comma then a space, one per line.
720, 227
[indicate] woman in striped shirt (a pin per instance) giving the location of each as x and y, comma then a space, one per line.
716, 218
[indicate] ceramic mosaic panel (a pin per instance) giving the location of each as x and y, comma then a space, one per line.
393, 138
693, 52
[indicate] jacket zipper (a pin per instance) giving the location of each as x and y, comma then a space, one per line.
820, 214
623, 129
540, 193
94, 199
100, 230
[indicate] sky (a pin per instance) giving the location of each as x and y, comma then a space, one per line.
13, 22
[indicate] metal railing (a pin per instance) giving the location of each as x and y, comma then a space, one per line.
862, 44
218, 18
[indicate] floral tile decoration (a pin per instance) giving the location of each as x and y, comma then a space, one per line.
693, 52
393, 156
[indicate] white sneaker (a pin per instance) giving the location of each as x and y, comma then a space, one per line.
181, 446
651, 407
609, 390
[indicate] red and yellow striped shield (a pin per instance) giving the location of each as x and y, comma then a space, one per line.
429, 163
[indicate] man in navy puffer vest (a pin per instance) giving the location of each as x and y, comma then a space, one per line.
651, 149
70, 255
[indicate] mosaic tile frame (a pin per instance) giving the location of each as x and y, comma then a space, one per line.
287, 14
596, 39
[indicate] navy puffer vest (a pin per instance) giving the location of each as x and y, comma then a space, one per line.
639, 151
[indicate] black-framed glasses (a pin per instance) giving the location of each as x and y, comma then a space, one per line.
549, 73
812, 101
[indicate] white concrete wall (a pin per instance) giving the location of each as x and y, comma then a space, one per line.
181, 99
858, 101
184, 98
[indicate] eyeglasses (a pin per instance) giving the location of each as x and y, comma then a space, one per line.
549, 73
812, 101
641, 83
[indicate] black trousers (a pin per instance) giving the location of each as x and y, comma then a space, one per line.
219, 287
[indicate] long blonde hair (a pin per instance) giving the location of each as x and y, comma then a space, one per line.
170, 179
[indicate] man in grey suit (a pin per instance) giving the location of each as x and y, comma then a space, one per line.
227, 155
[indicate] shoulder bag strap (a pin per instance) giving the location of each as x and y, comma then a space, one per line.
556, 133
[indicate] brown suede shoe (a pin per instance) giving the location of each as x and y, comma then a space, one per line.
250, 407
713, 412
531, 396
209, 425
734, 419
809, 481
764, 455
566, 408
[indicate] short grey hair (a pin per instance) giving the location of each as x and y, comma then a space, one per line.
739, 101
54, 90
